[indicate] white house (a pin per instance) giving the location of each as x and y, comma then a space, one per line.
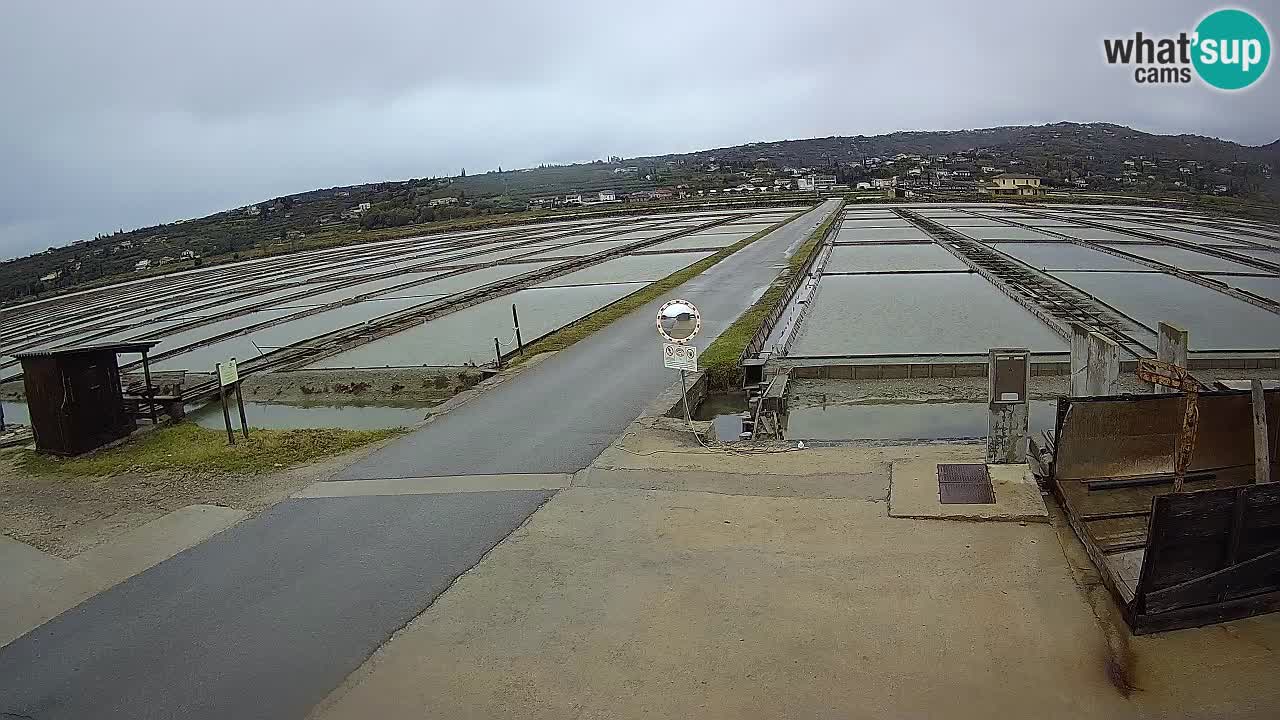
142, 265
437, 202
51, 276
1015, 184
189, 255
864, 186
574, 199
607, 196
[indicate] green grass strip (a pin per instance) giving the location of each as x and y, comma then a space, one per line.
606, 315
189, 447
721, 360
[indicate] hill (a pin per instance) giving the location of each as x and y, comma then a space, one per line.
1098, 156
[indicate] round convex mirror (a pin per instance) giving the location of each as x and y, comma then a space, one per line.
678, 320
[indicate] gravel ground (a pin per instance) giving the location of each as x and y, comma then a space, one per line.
66, 515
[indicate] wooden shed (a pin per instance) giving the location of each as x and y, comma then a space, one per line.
75, 398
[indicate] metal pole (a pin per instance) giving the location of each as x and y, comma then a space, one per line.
1, 417
226, 414
684, 396
497, 353
151, 396
516, 319
244, 424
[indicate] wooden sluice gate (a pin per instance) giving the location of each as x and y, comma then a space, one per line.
1179, 517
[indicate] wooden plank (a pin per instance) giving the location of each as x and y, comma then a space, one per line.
1094, 517
1141, 480
1261, 449
1201, 615
1203, 589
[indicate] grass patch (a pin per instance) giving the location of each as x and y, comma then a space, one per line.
721, 359
187, 446
601, 318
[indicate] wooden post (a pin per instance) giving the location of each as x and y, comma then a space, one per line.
222, 395
1104, 365
1079, 360
151, 395
1261, 440
516, 319
497, 354
244, 424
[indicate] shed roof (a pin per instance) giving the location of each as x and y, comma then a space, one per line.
120, 347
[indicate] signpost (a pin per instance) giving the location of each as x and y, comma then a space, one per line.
678, 322
680, 357
229, 377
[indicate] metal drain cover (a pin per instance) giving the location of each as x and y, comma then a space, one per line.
965, 484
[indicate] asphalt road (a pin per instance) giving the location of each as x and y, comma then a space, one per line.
560, 415
261, 621
265, 619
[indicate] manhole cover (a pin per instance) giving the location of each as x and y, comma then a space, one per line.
965, 484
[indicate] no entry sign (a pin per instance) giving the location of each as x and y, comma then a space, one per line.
679, 356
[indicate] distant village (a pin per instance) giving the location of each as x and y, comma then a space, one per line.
906, 175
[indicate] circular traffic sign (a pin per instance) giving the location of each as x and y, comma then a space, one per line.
678, 321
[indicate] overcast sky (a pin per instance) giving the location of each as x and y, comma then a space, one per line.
129, 113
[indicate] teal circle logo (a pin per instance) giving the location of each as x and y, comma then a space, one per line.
1232, 49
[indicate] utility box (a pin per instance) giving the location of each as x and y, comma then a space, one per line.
74, 396
1009, 373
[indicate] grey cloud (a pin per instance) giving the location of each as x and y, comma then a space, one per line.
131, 113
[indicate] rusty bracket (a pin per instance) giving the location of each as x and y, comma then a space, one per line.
1166, 374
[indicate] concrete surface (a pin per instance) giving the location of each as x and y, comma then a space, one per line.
624, 603
914, 494
39, 586
262, 620
563, 413
445, 484
864, 484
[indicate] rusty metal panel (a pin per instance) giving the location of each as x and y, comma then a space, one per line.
1137, 435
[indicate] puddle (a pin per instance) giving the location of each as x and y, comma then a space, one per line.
905, 421
283, 416
721, 403
727, 428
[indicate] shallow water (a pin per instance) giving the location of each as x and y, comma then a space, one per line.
880, 258
1215, 321
15, 412
909, 314
907, 421
466, 336
288, 417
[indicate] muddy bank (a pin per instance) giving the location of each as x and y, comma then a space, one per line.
382, 386
804, 393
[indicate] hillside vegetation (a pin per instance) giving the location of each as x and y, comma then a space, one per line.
1091, 156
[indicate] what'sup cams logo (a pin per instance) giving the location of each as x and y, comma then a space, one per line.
1228, 50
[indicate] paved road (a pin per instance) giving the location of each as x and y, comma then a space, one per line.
265, 619
261, 621
560, 415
